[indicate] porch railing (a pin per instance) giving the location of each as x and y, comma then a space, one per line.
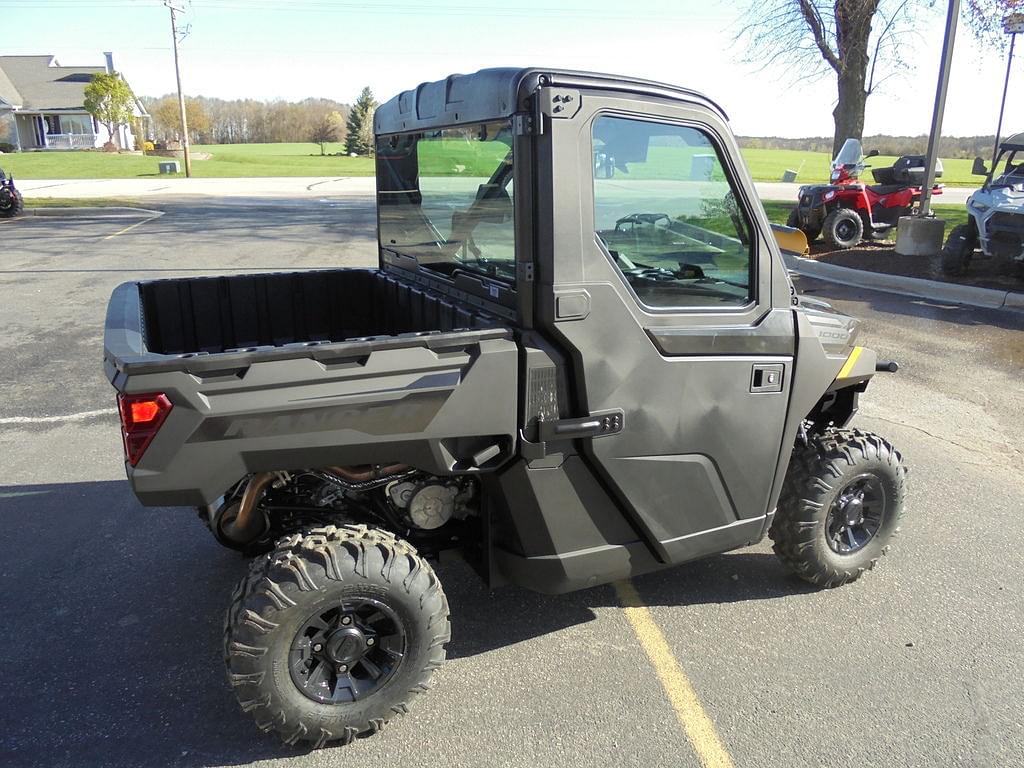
70, 140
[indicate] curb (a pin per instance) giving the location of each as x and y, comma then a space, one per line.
988, 298
94, 211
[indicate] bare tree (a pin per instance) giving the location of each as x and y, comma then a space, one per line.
859, 42
328, 128
985, 19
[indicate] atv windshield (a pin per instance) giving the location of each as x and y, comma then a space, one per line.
1012, 174
445, 198
851, 153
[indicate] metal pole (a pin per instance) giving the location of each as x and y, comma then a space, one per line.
940, 104
181, 95
1002, 107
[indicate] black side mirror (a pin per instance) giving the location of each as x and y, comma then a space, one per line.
979, 169
873, 153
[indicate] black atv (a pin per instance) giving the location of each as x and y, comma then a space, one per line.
11, 202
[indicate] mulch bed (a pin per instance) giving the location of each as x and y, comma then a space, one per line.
1001, 274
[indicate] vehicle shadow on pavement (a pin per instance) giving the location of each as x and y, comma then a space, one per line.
483, 621
112, 617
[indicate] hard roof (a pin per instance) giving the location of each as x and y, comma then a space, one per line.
1016, 141
496, 93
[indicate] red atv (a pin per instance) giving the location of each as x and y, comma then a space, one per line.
846, 209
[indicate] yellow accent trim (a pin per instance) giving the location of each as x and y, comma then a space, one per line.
850, 362
699, 728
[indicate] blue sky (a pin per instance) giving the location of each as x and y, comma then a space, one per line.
332, 48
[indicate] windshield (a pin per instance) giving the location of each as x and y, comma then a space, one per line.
445, 198
1012, 172
850, 154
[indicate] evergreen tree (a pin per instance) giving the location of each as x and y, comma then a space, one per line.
360, 124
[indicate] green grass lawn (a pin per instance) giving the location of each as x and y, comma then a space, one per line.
236, 160
76, 202
227, 161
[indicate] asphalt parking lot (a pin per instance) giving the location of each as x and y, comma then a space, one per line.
111, 612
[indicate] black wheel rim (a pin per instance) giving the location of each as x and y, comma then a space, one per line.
347, 652
856, 515
845, 230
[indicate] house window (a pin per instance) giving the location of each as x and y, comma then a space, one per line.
77, 124
52, 124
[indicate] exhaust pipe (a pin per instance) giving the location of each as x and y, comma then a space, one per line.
248, 525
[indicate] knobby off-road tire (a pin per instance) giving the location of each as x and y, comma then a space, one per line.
322, 572
794, 222
959, 248
15, 207
821, 475
843, 229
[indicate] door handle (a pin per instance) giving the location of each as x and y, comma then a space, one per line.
600, 424
766, 377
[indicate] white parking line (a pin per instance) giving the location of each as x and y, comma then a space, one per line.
58, 419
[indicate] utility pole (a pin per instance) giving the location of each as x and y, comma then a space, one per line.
181, 94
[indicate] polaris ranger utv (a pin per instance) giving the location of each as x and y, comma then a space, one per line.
579, 359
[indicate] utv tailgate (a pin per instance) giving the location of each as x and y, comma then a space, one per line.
439, 401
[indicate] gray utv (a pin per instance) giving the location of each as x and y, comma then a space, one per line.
579, 359
995, 213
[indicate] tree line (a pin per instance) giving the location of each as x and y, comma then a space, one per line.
949, 146
252, 121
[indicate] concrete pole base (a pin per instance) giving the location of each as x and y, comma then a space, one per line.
919, 237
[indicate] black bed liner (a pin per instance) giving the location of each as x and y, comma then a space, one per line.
211, 323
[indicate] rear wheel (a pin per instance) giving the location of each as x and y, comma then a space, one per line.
959, 248
843, 228
11, 204
794, 221
841, 504
333, 633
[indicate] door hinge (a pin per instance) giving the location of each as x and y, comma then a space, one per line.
525, 124
526, 272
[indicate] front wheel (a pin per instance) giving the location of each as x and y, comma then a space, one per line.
333, 633
11, 204
794, 222
843, 229
959, 248
841, 505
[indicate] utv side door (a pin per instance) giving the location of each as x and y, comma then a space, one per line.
680, 350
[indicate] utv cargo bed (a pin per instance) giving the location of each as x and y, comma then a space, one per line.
304, 368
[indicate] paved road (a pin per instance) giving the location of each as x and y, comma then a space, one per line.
295, 187
112, 612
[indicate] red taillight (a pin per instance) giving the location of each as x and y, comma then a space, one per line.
141, 418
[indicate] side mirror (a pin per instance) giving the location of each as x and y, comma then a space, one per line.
979, 169
873, 153
604, 165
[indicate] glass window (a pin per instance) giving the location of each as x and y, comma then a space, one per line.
446, 198
665, 210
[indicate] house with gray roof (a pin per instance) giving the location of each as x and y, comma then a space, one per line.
45, 101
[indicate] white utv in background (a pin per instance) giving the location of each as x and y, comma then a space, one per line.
995, 221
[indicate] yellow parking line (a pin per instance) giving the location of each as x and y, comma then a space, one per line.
699, 728
133, 226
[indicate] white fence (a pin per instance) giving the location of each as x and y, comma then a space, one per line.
70, 140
